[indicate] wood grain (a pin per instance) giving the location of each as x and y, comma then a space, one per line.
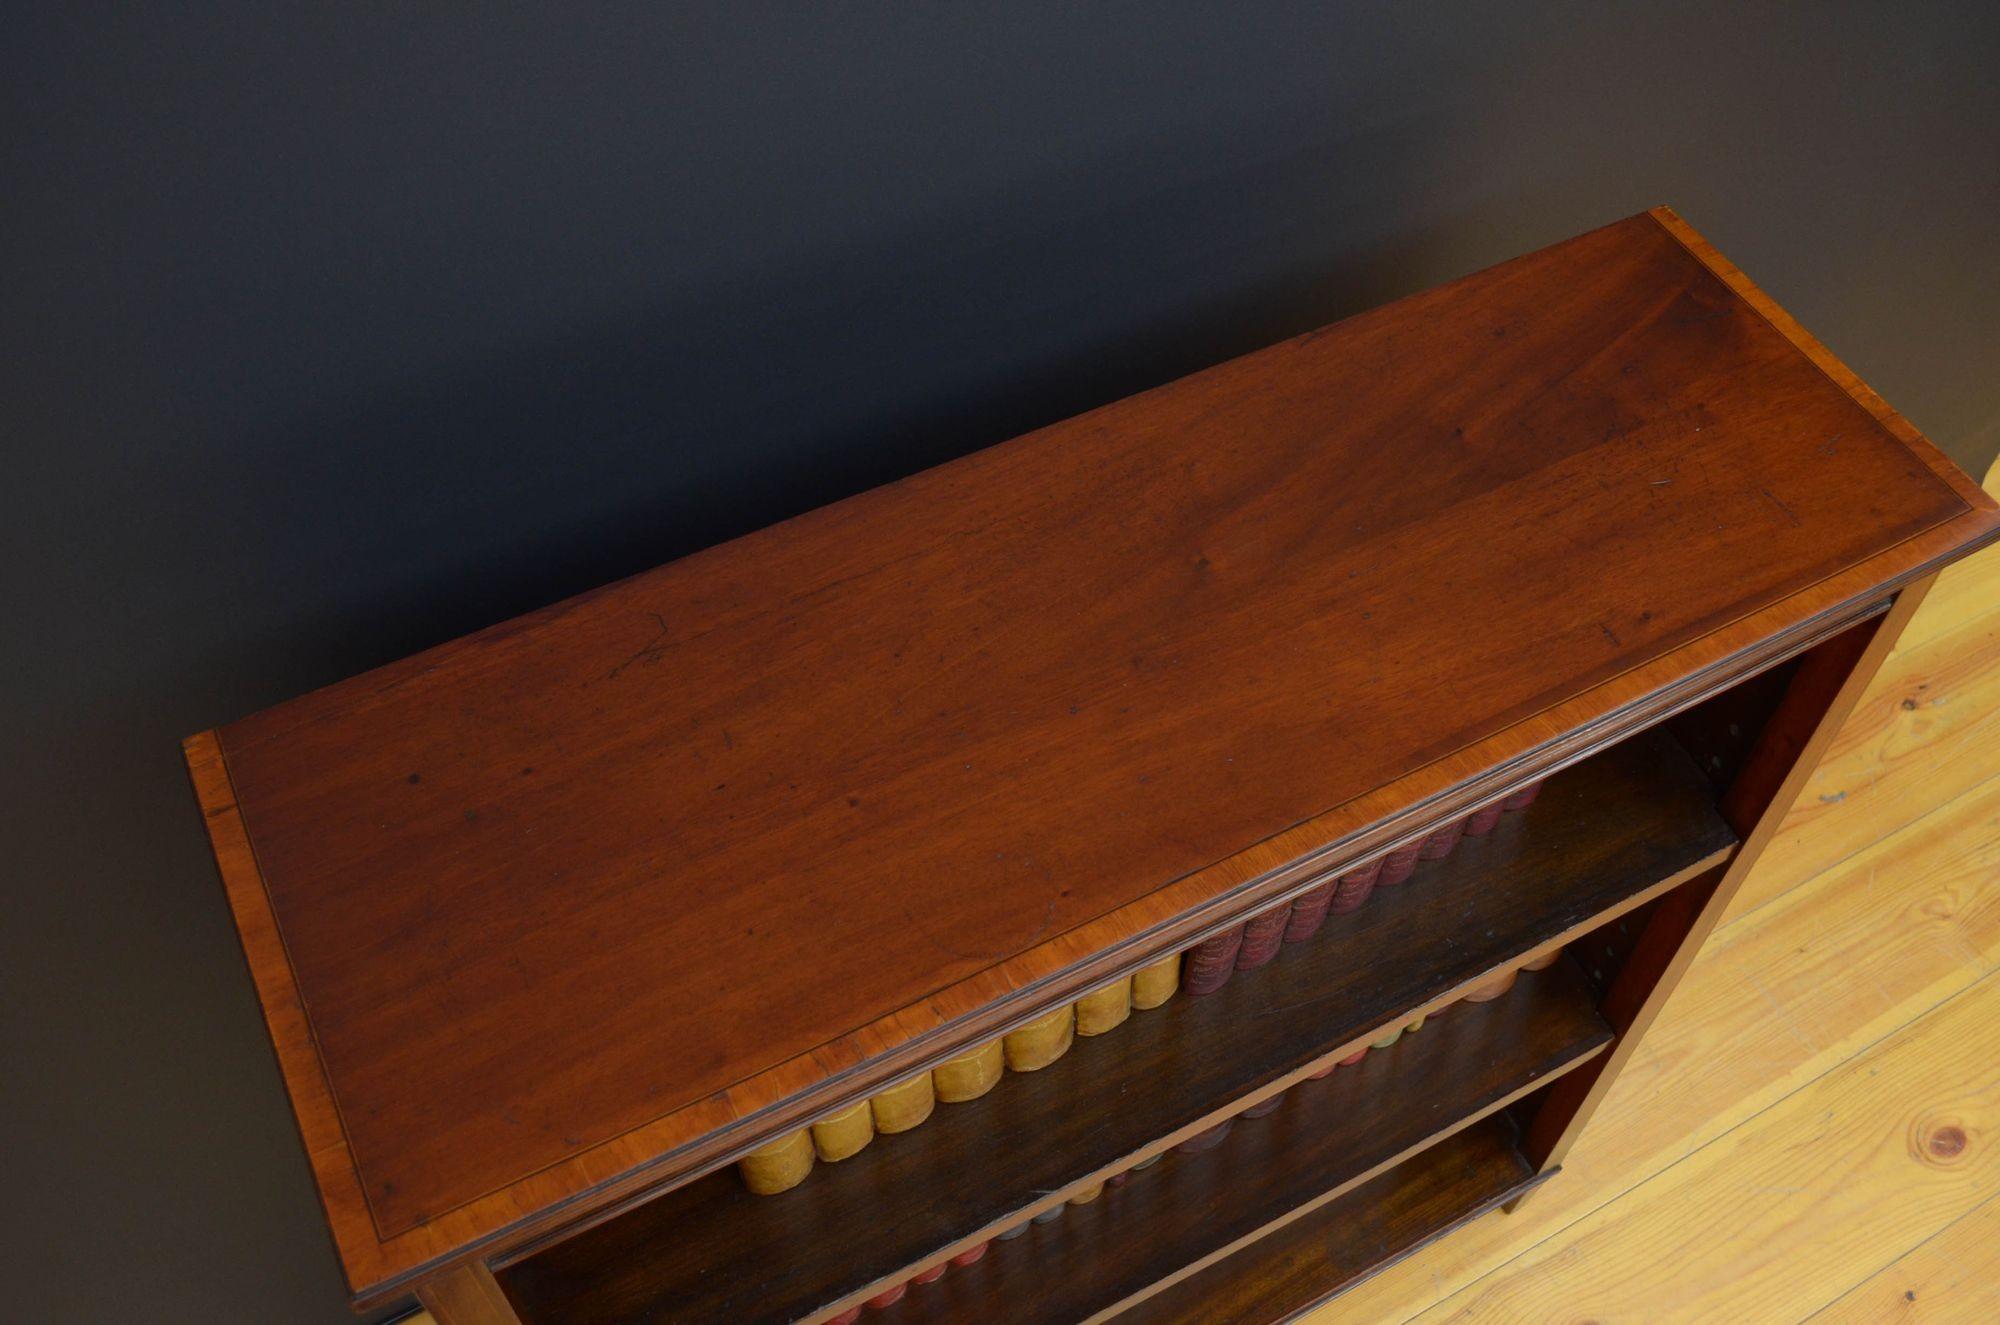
1952, 1278
1902, 1137
979, 703
1928, 730
466, 1295
1600, 838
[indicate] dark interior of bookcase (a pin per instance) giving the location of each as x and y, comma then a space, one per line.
1348, 1173
1365, 1229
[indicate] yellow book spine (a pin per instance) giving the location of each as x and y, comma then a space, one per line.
1104, 1009
969, 1076
902, 1107
1042, 1041
779, 1166
845, 1133
1155, 984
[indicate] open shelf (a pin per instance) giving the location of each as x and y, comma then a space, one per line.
1299, 1266
1327, 1137
1604, 837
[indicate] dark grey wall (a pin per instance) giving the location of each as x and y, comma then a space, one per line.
334, 331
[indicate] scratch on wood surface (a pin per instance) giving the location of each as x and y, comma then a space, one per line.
1778, 502
652, 653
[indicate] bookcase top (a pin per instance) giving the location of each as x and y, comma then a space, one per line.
602, 896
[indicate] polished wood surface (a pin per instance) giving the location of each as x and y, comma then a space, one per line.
605, 896
1603, 836
1870, 921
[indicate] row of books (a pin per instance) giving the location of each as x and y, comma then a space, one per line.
1202, 969
1256, 941
1207, 1139
785, 1163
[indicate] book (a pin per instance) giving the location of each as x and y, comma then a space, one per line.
1262, 934
1493, 987
1442, 842
1211, 961
1042, 1041
1155, 984
888, 1297
969, 1075
845, 1133
779, 1166
1399, 864
1104, 1009
1483, 820
1309, 912
903, 1106
1354, 886
1264, 1106
1207, 1140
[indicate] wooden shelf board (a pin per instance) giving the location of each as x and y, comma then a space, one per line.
1326, 1138
1326, 1250
1604, 837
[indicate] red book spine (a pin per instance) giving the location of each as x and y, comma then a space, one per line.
1492, 989
1209, 963
1440, 844
1523, 798
1399, 864
1484, 820
1263, 1107
1354, 887
1309, 912
1208, 1140
1261, 937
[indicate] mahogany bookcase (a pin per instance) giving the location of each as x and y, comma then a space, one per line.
554, 922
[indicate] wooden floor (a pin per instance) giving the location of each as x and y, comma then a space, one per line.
1812, 1129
